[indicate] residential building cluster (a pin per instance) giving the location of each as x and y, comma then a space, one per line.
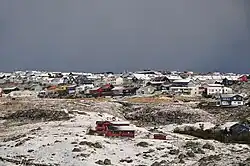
146, 82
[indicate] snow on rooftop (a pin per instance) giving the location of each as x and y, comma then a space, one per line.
95, 88
118, 88
142, 76
174, 77
125, 128
228, 95
215, 85
121, 122
182, 80
228, 125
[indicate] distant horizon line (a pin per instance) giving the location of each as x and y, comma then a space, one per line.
125, 71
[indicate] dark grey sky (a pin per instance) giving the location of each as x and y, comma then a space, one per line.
117, 35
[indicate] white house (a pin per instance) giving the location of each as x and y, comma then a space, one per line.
212, 89
119, 81
84, 87
146, 90
57, 81
185, 87
109, 80
186, 91
22, 94
146, 75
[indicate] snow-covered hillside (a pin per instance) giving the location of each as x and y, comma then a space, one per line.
66, 143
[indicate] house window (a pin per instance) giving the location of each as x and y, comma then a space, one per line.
239, 102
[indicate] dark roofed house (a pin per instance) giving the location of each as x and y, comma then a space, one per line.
228, 82
239, 128
158, 82
8, 90
183, 83
230, 100
163, 79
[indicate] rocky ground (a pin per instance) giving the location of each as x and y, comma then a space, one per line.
54, 132
168, 113
242, 88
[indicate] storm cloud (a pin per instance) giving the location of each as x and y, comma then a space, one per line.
117, 35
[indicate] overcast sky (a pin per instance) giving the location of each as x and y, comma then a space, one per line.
117, 35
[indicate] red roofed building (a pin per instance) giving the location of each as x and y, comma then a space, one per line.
115, 129
243, 78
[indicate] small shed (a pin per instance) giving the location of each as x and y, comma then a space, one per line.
71, 89
129, 91
160, 136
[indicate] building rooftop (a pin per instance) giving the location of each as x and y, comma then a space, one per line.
229, 95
